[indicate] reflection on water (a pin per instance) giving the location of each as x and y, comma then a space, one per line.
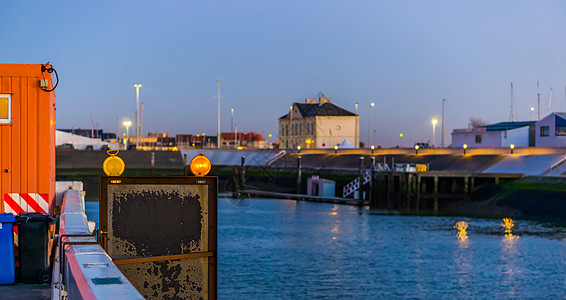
280, 249
462, 234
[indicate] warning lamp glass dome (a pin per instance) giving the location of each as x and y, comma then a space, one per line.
200, 165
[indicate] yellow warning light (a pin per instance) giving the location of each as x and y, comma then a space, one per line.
200, 165
113, 165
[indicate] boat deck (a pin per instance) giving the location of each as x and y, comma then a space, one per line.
25, 291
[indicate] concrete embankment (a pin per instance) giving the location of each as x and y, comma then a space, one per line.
533, 196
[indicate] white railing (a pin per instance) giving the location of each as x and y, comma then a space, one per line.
355, 184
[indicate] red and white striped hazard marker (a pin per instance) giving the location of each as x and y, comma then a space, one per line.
18, 203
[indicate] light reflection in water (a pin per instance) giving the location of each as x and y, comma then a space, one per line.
462, 226
508, 224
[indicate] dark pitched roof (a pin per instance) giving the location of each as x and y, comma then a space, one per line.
320, 110
507, 125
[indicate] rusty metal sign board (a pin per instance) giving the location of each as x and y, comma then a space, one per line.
162, 233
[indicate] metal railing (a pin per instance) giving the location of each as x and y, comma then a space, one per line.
355, 184
82, 269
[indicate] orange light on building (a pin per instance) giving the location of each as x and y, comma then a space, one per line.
200, 165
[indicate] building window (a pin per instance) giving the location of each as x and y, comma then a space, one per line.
561, 130
5, 109
478, 139
544, 131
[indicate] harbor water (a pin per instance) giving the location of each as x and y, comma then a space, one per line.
283, 249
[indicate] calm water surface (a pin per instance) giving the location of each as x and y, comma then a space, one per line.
273, 249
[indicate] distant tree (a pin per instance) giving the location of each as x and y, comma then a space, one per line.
477, 122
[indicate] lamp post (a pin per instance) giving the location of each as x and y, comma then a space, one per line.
532, 110
218, 137
442, 143
357, 128
416, 149
372, 148
512, 147
434, 122
335, 149
137, 86
127, 124
369, 122
400, 140
465, 146
232, 124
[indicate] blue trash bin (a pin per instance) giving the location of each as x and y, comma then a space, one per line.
7, 269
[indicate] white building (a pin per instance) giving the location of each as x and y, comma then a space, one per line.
80, 142
503, 134
551, 131
318, 123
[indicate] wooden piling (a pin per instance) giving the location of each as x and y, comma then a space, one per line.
243, 174
299, 175
435, 194
361, 189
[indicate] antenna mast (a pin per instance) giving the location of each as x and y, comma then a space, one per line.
538, 100
549, 102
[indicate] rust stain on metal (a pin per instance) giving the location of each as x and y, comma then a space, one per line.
176, 279
153, 217
173, 221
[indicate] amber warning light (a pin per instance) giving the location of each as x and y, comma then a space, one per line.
113, 165
200, 165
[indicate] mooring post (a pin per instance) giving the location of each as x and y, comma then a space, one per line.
243, 174
409, 190
360, 190
299, 174
185, 164
153, 163
371, 178
435, 194
390, 185
418, 192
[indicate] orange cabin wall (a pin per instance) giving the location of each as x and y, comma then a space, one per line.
27, 144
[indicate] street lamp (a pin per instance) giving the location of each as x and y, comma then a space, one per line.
442, 143
369, 122
232, 124
299, 149
137, 86
372, 148
434, 122
532, 110
512, 147
465, 146
416, 149
335, 149
218, 136
400, 140
127, 124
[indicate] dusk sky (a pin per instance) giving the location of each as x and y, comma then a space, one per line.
406, 56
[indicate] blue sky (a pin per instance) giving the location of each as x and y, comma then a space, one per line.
406, 56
